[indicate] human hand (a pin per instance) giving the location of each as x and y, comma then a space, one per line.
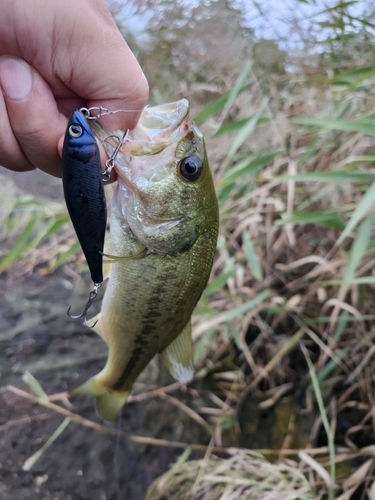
56, 57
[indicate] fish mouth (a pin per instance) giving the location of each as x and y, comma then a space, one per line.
157, 127
149, 150
162, 123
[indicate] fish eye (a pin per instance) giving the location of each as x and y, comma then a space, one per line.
191, 168
75, 130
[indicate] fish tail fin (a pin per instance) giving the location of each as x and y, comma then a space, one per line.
108, 403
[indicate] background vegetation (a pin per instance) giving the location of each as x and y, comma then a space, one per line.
285, 328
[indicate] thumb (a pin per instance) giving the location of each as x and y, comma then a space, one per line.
30, 122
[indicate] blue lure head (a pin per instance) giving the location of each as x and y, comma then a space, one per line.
79, 141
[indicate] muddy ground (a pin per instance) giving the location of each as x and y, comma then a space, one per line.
36, 335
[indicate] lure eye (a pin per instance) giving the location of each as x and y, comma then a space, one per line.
191, 168
75, 130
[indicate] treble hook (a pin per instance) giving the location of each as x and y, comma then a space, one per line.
110, 163
92, 296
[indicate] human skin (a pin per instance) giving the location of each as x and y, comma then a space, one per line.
57, 56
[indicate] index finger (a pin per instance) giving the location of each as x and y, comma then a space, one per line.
108, 75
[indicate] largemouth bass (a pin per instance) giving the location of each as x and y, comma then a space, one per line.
163, 235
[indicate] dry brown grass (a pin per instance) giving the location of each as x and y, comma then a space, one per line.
244, 475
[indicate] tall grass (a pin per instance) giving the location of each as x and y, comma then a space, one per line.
296, 194
34, 232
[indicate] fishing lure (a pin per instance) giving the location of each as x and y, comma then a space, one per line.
84, 196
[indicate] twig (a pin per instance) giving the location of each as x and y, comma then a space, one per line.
194, 415
30, 323
287, 346
63, 411
155, 392
24, 420
160, 391
348, 453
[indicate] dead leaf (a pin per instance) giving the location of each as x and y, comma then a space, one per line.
359, 475
371, 492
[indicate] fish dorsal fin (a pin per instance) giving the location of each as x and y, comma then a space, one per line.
178, 356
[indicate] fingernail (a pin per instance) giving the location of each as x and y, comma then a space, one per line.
15, 77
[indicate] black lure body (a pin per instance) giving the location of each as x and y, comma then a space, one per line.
84, 191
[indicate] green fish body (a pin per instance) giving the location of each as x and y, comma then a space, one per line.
163, 235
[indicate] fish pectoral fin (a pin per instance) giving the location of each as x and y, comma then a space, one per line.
98, 328
115, 258
178, 356
106, 269
107, 250
108, 402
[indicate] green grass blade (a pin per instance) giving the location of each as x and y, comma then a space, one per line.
318, 217
351, 126
218, 283
234, 92
34, 458
363, 280
342, 322
365, 71
323, 414
359, 248
360, 211
251, 304
19, 248
251, 257
64, 255
218, 104
55, 224
334, 176
246, 167
332, 365
231, 127
34, 385
244, 133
